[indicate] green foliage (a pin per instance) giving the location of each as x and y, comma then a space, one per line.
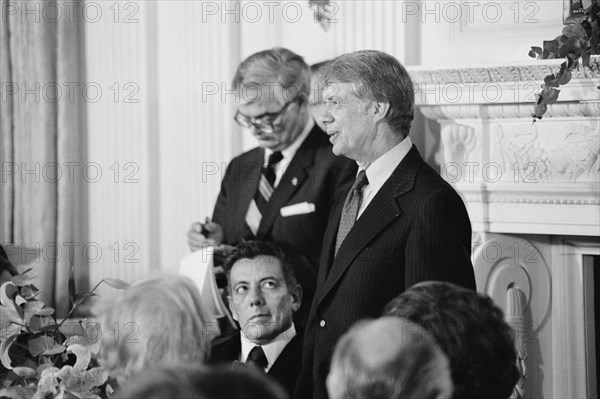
577, 43
37, 359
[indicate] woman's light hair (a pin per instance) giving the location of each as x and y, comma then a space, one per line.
156, 322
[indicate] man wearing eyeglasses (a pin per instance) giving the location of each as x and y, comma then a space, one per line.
283, 190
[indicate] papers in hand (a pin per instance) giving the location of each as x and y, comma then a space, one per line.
199, 267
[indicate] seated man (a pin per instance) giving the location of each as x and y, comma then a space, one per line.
263, 295
472, 332
388, 358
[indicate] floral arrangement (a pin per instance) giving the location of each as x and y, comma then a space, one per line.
37, 359
577, 43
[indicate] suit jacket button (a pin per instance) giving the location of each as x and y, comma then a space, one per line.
322, 323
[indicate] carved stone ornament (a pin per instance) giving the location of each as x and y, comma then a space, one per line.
515, 176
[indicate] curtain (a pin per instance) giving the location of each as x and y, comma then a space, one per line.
42, 138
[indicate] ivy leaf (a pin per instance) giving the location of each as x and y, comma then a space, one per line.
32, 306
8, 315
39, 323
44, 312
21, 280
535, 52
551, 81
8, 291
565, 77
116, 283
550, 49
4, 349
56, 349
40, 344
585, 59
25, 372
19, 300
29, 292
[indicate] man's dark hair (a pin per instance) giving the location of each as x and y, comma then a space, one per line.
254, 249
470, 330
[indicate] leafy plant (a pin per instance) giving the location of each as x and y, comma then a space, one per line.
577, 43
37, 359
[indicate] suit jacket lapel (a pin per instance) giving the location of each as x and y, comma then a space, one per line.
293, 178
248, 181
382, 211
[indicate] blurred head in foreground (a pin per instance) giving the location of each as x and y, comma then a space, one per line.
470, 330
156, 322
388, 358
201, 383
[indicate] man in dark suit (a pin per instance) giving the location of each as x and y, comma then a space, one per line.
263, 294
283, 190
401, 223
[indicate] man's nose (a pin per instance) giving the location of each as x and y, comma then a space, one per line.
256, 297
326, 116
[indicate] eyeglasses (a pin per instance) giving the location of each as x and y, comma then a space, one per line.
267, 122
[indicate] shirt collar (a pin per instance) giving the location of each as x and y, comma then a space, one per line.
273, 349
381, 169
290, 151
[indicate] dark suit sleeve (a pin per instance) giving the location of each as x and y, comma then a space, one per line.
439, 244
223, 206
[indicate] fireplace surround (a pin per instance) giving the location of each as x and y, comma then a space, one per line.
532, 191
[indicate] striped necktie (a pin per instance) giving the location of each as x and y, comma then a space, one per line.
259, 203
351, 207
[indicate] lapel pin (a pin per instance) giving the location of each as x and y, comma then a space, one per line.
294, 181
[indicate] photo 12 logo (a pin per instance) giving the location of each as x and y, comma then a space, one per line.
53, 172
54, 11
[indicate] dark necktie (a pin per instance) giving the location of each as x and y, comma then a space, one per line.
258, 205
257, 358
351, 207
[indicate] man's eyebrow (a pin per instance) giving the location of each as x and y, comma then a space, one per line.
270, 278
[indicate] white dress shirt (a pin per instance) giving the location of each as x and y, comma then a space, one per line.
381, 170
272, 350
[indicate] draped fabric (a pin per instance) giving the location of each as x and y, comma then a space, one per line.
41, 132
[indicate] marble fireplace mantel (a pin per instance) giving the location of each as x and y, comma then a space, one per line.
533, 195
514, 175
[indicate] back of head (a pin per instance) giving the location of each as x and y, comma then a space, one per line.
155, 322
470, 330
163, 383
275, 66
388, 358
187, 382
378, 77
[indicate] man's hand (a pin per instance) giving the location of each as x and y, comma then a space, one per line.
198, 241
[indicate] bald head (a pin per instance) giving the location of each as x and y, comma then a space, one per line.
388, 358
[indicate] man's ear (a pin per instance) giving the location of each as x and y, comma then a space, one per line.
380, 110
296, 297
232, 308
